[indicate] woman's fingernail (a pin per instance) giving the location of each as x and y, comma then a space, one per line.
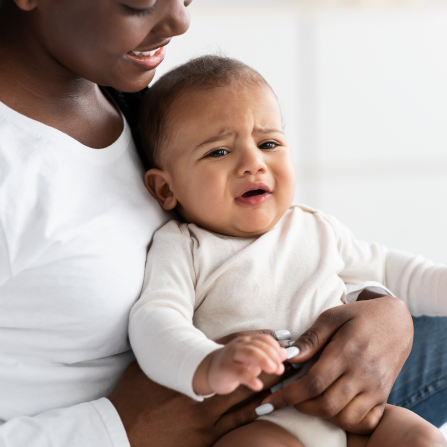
292, 352
277, 387
282, 334
264, 409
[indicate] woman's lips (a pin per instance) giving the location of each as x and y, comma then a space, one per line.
254, 199
147, 60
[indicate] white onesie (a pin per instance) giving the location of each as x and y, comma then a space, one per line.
200, 286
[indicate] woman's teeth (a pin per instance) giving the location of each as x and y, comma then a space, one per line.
144, 53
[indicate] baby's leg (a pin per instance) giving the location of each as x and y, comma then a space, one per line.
400, 427
259, 434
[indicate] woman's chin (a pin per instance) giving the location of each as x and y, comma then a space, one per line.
132, 83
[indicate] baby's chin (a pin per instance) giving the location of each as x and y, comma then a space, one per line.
250, 228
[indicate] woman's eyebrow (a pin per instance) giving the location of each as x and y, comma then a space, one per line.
219, 137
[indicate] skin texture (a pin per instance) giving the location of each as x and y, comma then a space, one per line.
398, 427
52, 55
155, 415
240, 362
350, 383
259, 434
413, 431
203, 181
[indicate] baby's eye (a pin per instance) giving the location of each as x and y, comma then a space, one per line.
268, 145
218, 153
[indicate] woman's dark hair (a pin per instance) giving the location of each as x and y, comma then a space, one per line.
201, 74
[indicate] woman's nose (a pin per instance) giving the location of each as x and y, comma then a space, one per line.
251, 162
176, 18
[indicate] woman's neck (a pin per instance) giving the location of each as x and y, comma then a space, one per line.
35, 84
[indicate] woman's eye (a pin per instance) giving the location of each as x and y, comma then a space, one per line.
138, 12
268, 145
218, 153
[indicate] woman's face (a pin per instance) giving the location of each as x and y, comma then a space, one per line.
101, 40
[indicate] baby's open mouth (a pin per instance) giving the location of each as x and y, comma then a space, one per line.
256, 192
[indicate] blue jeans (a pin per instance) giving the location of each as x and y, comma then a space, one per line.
422, 383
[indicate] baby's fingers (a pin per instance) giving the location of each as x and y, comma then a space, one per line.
245, 377
251, 355
272, 349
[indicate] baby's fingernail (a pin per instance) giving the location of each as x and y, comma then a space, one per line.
264, 409
282, 334
292, 352
276, 388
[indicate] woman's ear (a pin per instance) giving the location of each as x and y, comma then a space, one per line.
26, 5
157, 182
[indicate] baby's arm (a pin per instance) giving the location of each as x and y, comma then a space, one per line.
239, 363
169, 349
419, 282
166, 344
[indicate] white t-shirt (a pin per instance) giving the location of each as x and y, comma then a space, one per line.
75, 224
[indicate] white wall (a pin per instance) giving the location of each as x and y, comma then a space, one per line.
364, 96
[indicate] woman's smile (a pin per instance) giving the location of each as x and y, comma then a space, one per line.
147, 60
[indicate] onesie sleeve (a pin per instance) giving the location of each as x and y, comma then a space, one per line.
166, 344
419, 282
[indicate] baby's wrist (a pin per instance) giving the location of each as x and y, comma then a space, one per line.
200, 381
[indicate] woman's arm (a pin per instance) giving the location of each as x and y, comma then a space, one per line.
157, 416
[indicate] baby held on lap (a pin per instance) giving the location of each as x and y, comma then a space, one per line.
243, 257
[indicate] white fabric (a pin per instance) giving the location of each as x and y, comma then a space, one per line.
200, 286
354, 290
75, 224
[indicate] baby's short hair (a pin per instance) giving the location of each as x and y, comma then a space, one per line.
200, 74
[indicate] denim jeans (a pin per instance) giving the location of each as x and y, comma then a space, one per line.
422, 383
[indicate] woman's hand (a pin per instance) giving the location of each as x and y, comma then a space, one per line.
364, 346
153, 415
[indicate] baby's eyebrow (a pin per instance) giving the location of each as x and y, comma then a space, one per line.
219, 137
264, 130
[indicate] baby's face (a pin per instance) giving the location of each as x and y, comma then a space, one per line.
228, 165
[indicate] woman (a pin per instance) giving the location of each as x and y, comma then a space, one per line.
75, 224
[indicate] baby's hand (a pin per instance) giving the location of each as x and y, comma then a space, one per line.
239, 363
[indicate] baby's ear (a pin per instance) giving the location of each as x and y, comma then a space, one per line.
157, 182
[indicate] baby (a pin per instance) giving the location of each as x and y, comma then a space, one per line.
243, 257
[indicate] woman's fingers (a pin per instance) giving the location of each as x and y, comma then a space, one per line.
333, 401
317, 336
350, 382
320, 377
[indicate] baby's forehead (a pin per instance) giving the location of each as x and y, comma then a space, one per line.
224, 102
